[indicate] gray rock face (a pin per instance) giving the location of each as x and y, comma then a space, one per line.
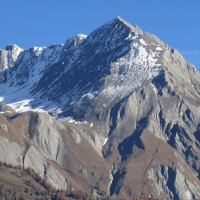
45, 134
168, 182
38, 163
11, 152
136, 126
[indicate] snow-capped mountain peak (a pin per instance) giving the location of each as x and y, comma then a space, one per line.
98, 69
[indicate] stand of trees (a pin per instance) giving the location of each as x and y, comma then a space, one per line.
41, 189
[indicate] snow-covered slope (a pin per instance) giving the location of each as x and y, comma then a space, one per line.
108, 64
22, 71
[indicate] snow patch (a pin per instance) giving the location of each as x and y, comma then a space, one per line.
106, 139
132, 36
143, 42
159, 49
154, 88
192, 85
24, 105
71, 120
130, 71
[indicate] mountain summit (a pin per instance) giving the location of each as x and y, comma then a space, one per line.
56, 78
115, 113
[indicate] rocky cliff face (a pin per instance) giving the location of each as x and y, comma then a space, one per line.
115, 113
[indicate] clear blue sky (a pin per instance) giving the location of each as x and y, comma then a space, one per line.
44, 22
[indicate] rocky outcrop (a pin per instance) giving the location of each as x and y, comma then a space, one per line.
39, 164
11, 152
44, 132
171, 183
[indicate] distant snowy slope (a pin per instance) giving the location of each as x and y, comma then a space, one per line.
26, 71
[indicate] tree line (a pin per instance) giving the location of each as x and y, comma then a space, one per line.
42, 190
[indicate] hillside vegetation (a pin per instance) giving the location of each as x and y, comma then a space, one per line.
17, 183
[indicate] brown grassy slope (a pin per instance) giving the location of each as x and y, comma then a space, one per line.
12, 180
20, 184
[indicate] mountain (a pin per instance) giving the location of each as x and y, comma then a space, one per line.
115, 113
